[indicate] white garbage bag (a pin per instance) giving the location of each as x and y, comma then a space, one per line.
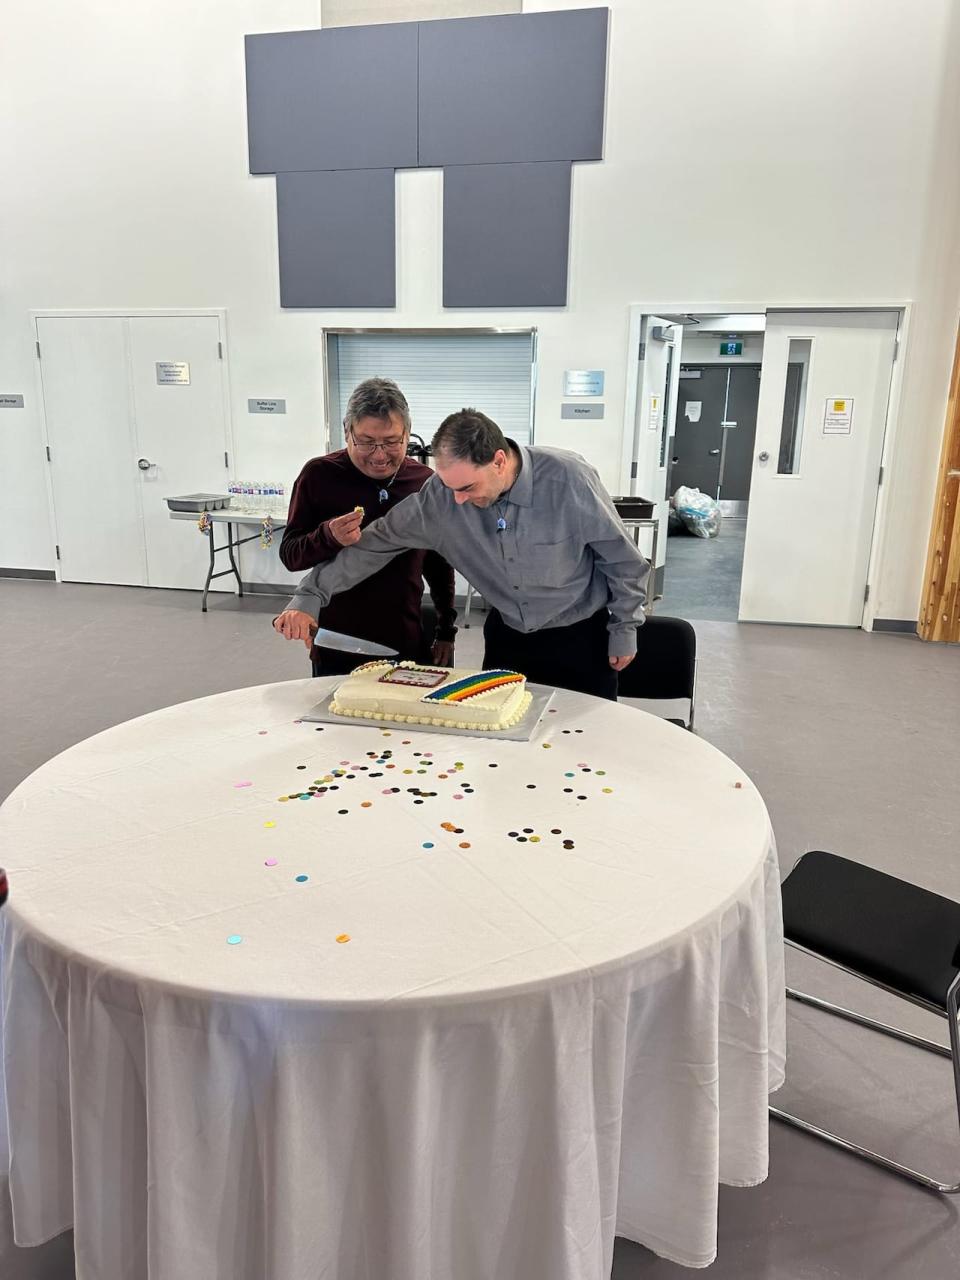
698, 511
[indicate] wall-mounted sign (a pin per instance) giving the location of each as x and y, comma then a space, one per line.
173, 373
731, 348
838, 416
11, 402
266, 406
583, 382
581, 411
654, 420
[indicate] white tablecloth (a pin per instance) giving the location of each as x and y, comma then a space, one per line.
522, 1049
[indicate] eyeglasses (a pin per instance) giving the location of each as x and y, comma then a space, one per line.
371, 446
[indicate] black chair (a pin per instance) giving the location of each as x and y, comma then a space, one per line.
665, 665
892, 934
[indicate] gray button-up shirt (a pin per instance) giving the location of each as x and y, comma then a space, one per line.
562, 555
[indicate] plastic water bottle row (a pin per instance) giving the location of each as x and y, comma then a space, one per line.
258, 495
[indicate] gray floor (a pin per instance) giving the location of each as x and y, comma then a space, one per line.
853, 741
702, 577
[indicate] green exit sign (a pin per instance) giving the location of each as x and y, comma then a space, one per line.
731, 348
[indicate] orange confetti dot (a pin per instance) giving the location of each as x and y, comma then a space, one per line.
464, 844
738, 785
343, 937
365, 804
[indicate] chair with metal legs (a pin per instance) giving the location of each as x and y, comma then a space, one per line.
892, 934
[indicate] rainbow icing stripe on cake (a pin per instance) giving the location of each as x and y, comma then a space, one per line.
408, 693
473, 685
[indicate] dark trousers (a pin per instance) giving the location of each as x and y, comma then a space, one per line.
573, 657
334, 662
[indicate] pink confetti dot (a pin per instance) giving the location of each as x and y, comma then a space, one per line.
243, 784
344, 761
270, 862
261, 732
386, 792
458, 797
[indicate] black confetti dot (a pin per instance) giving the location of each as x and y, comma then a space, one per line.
521, 839
528, 831
581, 797
568, 790
320, 729
491, 766
555, 831
531, 786
513, 834
301, 766
458, 831
418, 802
343, 811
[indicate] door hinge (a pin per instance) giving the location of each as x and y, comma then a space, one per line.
866, 593
643, 351
48, 453
58, 550
220, 350
896, 349
38, 350
633, 471
880, 481
226, 458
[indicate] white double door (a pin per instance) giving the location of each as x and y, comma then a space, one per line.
135, 412
821, 419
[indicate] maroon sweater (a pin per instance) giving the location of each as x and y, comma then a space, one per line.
385, 608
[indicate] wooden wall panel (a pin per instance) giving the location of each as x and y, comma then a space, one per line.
940, 611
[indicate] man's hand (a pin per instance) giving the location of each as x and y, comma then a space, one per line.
442, 652
618, 664
346, 529
295, 625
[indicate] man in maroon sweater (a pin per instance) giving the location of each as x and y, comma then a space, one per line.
373, 473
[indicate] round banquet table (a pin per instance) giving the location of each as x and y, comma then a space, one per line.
284, 1000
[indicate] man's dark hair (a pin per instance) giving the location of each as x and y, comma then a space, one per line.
376, 398
469, 436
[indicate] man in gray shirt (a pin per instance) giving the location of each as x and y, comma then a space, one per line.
535, 532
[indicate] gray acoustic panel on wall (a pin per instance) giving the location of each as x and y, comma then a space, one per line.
337, 236
506, 230
513, 88
341, 99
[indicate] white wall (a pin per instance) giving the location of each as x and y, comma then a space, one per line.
829, 177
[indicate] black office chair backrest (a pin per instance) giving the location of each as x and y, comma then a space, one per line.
666, 661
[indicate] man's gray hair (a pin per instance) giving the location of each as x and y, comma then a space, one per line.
376, 398
469, 436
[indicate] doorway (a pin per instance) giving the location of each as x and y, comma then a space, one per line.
780, 419
135, 411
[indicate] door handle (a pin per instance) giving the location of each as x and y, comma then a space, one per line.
145, 464
714, 453
763, 456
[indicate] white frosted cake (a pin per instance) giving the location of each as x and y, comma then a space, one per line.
411, 694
